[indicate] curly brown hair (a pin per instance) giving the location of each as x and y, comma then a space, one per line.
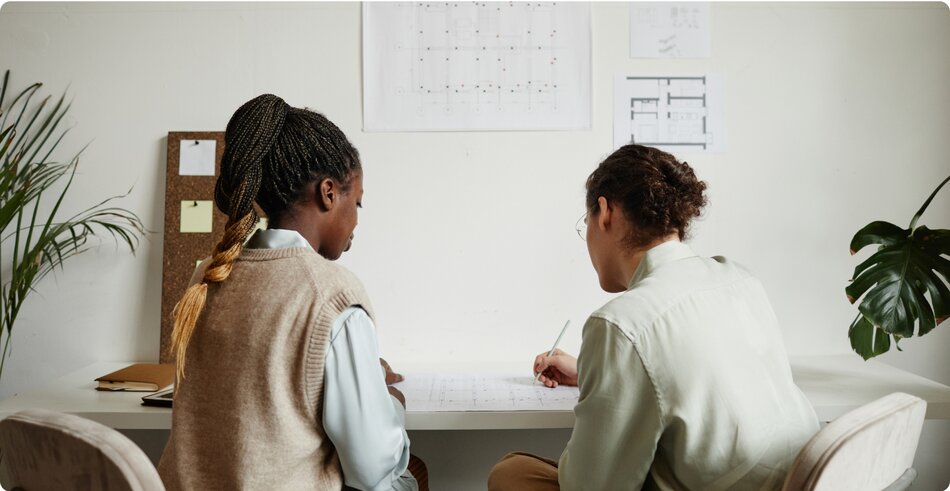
657, 193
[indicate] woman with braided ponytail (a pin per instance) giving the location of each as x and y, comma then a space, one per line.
684, 381
279, 383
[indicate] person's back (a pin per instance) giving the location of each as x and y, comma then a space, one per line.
704, 331
264, 331
283, 386
683, 377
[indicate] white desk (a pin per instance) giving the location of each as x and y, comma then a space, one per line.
834, 384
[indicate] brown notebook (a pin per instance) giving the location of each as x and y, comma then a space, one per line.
145, 377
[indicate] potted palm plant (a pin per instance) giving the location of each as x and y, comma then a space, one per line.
34, 239
903, 284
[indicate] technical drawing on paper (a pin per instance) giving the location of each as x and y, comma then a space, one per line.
476, 65
465, 392
676, 114
670, 30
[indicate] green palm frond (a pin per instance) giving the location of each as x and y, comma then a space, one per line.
903, 284
41, 243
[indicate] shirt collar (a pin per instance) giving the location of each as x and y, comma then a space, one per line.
667, 252
276, 238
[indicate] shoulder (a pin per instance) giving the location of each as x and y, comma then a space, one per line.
673, 284
640, 306
599, 327
340, 285
327, 270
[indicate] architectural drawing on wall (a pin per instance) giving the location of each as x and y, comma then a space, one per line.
676, 114
442, 66
669, 30
473, 392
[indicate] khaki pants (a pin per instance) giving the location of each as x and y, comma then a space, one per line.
523, 472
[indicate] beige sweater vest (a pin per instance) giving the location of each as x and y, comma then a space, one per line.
248, 414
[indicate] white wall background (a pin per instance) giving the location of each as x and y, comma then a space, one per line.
837, 115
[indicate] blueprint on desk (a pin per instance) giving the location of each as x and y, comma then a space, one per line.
479, 392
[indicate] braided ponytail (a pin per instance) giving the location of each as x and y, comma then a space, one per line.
250, 135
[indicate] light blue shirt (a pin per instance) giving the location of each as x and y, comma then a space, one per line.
364, 422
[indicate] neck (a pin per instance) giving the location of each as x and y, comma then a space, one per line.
302, 225
631, 261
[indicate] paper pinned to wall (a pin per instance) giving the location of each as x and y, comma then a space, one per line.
670, 30
471, 392
476, 66
196, 157
196, 216
675, 114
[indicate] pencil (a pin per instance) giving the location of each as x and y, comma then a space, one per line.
556, 342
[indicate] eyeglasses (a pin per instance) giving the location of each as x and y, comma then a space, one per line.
581, 227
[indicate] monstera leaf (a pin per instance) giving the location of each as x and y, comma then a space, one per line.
904, 283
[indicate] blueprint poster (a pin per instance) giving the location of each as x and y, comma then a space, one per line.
445, 66
678, 114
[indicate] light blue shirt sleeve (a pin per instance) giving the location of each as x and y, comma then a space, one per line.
364, 422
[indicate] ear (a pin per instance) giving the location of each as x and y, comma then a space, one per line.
327, 193
604, 213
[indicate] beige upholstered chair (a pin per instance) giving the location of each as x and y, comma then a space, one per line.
44, 450
870, 448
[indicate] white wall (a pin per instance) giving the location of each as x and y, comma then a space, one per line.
836, 113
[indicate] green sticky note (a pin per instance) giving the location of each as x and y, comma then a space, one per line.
195, 216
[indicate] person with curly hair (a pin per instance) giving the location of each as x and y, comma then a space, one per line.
684, 380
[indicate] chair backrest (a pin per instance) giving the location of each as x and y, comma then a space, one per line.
42, 450
871, 447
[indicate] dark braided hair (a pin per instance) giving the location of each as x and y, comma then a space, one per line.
271, 152
657, 193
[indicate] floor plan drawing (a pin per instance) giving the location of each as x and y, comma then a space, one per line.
431, 66
676, 114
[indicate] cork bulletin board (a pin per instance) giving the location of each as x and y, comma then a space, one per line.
192, 223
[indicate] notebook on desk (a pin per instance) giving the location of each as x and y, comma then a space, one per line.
162, 398
144, 377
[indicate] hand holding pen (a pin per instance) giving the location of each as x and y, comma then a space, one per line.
556, 367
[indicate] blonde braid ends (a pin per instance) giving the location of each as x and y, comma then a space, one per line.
186, 315
189, 308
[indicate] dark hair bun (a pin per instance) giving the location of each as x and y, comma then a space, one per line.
659, 194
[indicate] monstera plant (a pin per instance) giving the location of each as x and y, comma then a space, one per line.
34, 239
903, 284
